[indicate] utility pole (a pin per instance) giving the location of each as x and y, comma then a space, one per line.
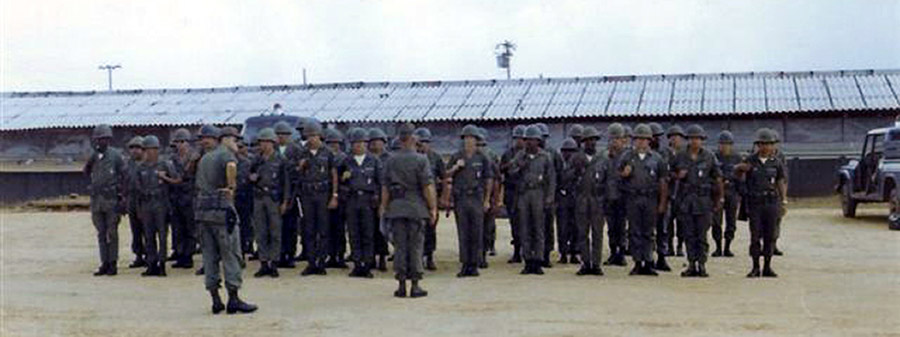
504, 53
109, 69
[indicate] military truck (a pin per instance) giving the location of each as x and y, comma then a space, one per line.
874, 176
253, 124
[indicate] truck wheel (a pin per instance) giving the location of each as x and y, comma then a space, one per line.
848, 205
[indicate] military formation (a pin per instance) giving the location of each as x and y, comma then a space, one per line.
235, 200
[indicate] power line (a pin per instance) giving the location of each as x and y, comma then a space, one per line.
109, 69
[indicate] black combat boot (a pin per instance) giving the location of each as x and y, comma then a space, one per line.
491, 250
584, 270
309, 270
273, 270
263, 270
161, 271
574, 259
102, 270
755, 271
619, 258
691, 270
339, 262
236, 306
463, 271
777, 252
680, 250
718, 251
217, 305
172, 257
596, 270
199, 271
701, 270
429, 262
545, 263
636, 270
138, 263
647, 269
473, 270
661, 264
727, 252
483, 263
671, 251
526, 270
537, 268
112, 269
415, 291
516, 258
401, 290
612, 253
152, 270
563, 258
382, 264
366, 271
767, 268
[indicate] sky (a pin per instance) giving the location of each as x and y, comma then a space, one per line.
57, 45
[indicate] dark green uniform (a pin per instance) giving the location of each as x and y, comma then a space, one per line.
220, 242
730, 206
490, 217
243, 202
642, 190
184, 229
536, 176
290, 220
468, 189
381, 241
337, 229
361, 190
566, 227
550, 208
406, 173
153, 206
270, 190
616, 210
764, 202
696, 200
510, 182
108, 174
134, 221
438, 169
591, 184
316, 192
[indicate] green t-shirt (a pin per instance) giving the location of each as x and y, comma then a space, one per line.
211, 169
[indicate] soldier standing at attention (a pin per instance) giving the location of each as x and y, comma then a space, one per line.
675, 145
469, 180
763, 176
155, 178
549, 212
318, 184
377, 140
438, 170
662, 230
136, 155
271, 191
337, 232
243, 198
107, 170
490, 215
699, 197
409, 201
565, 205
290, 219
727, 160
216, 182
509, 189
361, 182
643, 173
591, 172
184, 230
780, 155
534, 170
616, 212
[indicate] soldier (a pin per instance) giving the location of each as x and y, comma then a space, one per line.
490, 216
576, 132
643, 173
675, 136
615, 209
155, 178
727, 159
377, 140
216, 181
136, 155
337, 232
469, 180
662, 230
566, 230
780, 155
438, 170
699, 197
318, 186
361, 175
107, 171
290, 219
184, 230
509, 189
243, 197
558, 165
536, 176
763, 177
591, 182
409, 201
271, 194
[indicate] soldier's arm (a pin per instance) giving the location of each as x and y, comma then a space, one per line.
550, 173
285, 182
172, 176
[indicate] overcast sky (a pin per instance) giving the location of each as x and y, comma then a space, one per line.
58, 45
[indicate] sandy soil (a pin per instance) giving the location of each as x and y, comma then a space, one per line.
839, 277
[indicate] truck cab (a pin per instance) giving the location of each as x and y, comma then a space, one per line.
873, 176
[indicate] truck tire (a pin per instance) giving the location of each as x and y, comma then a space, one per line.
848, 205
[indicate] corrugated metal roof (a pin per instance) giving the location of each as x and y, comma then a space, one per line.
658, 95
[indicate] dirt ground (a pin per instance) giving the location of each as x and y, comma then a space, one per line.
839, 277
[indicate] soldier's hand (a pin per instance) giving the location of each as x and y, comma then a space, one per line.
661, 209
283, 208
254, 177
228, 193
345, 176
681, 174
161, 174
459, 164
333, 203
302, 164
487, 205
626, 171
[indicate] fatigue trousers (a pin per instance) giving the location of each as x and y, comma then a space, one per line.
589, 220
490, 230
641, 224
469, 213
695, 226
729, 211
106, 221
430, 239
289, 228
409, 236
267, 227
616, 214
662, 233
243, 204
315, 226
675, 227
337, 231
509, 201
763, 219
360, 215
221, 248
137, 234
530, 212
184, 229
566, 228
153, 216
549, 232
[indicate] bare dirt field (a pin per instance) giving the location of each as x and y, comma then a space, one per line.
839, 277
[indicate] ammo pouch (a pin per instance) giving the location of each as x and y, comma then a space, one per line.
397, 191
313, 187
212, 207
